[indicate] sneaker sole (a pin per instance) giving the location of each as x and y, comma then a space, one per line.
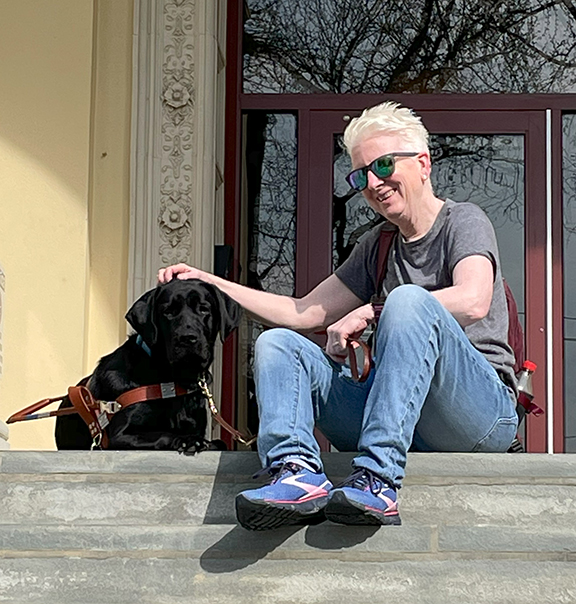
343, 511
263, 516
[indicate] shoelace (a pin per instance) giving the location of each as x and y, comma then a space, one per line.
364, 479
279, 470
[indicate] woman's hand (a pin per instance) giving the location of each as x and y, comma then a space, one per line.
350, 326
181, 271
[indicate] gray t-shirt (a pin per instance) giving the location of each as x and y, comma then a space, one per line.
460, 230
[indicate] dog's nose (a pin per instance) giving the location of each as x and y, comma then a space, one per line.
187, 337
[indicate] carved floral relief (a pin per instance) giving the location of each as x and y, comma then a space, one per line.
175, 212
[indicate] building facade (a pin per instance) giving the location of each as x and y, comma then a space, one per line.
137, 133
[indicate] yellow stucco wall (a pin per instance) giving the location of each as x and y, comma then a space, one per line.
110, 179
65, 73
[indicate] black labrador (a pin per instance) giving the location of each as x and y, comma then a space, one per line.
176, 326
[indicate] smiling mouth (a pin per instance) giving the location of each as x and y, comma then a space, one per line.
386, 195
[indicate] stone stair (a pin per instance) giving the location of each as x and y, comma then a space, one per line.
138, 527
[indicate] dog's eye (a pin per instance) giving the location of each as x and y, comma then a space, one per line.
204, 309
170, 310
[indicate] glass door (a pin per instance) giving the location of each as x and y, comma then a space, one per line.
492, 158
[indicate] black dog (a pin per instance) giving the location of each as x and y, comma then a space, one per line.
176, 328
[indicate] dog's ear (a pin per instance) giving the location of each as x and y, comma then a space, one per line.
229, 310
142, 317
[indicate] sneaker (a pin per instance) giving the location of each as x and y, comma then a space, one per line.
296, 495
363, 498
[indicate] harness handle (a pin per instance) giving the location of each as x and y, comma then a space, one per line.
352, 345
28, 413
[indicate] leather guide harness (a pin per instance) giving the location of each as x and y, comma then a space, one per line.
96, 414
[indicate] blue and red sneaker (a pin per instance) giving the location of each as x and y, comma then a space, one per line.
363, 498
296, 495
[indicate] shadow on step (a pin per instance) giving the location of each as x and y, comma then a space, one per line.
240, 548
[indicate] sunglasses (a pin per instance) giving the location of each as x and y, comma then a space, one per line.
382, 167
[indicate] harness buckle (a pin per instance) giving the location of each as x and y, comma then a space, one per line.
168, 390
109, 407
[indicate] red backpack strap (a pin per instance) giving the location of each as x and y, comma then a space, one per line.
384, 245
515, 331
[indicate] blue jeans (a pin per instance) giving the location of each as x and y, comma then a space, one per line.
429, 387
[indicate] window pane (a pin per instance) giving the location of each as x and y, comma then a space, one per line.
488, 171
471, 46
269, 223
569, 193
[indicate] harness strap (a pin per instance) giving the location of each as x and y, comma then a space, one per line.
352, 345
96, 414
88, 409
148, 393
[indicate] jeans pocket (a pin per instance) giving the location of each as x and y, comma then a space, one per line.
499, 438
343, 372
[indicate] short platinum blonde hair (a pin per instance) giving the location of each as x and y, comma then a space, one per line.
391, 119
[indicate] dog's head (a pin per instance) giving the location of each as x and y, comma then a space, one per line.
180, 321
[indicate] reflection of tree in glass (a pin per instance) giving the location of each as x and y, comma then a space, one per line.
569, 266
273, 207
569, 175
271, 193
409, 46
486, 170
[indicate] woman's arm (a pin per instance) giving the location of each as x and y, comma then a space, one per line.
469, 299
325, 304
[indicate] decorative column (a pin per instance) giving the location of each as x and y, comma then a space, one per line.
173, 138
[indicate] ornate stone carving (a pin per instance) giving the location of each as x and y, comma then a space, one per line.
174, 218
173, 151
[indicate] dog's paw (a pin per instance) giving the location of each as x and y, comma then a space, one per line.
190, 446
216, 445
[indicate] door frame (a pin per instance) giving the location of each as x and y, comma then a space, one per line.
303, 106
314, 217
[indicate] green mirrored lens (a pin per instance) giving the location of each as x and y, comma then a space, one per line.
383, 166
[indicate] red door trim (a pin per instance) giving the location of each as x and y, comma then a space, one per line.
424, 102
232, 123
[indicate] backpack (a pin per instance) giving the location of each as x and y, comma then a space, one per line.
515, 331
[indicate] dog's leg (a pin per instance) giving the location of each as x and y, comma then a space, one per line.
154, 441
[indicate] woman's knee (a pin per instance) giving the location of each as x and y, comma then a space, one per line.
276, 341
406, 303
407, 297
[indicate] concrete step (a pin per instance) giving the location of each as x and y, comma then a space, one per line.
193, 581
128, 527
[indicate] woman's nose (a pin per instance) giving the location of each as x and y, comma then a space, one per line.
373, 180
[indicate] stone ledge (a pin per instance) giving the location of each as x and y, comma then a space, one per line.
315, 542
218, 541
210, 502
485, 468
187, 581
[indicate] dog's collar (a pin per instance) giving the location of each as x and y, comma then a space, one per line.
143, 345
